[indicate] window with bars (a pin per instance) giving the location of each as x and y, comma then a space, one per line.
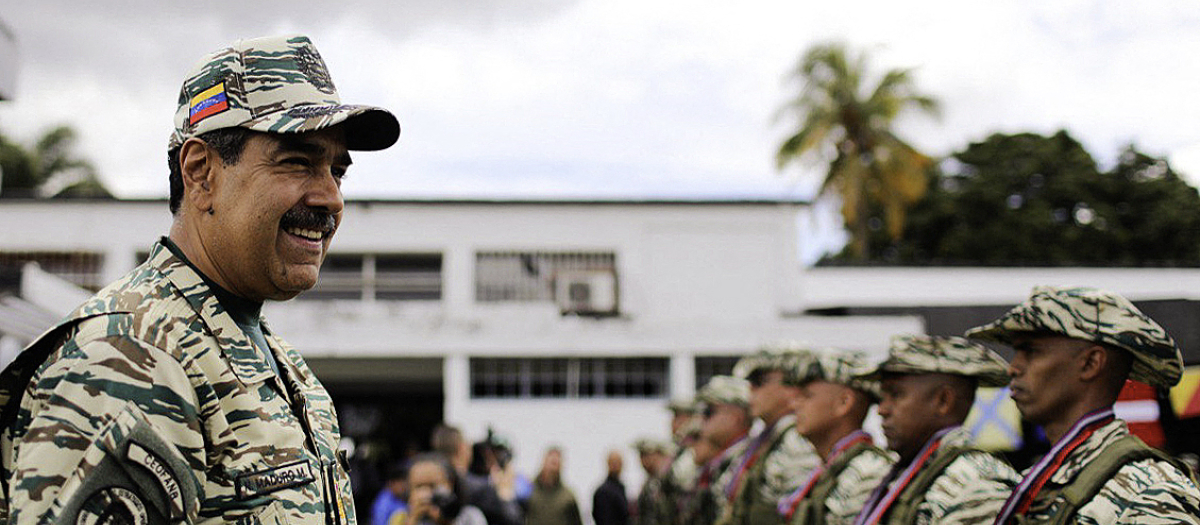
529, 276
709, 366
80, 268
383, 276
562, 377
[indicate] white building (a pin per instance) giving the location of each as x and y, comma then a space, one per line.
566, 323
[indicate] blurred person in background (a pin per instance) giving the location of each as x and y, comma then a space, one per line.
435, 496
552, 503
652, 505
610, 504
724, 426
478, 489
393, 497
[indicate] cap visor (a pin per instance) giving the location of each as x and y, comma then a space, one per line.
368, 128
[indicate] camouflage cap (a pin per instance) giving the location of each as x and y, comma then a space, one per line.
781, 356
277, 85
728, 390
922, 354
651, 445
1093, 315
837, 366
686, 406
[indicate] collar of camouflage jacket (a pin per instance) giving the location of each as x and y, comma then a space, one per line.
1088, 451
245, 360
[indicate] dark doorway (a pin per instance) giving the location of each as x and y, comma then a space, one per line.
388, 407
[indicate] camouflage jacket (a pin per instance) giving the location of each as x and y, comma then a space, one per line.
779, 469
1144, 491
652, 504
707, 502
155, 355
844, 487
970, 490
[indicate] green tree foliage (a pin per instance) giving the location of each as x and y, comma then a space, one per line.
48, 168
1033, 200
845, 121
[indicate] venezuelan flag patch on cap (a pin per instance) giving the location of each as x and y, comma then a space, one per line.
207, 103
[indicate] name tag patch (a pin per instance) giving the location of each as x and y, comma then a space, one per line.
273, 479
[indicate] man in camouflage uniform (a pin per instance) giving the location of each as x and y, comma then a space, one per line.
1075, 348
680, 479
724, 428
777, 459
830, 409
652, 504
928, 386
165, 398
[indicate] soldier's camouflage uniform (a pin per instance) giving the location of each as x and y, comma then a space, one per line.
784, 462
708, 502
1146, 490
864, 469
969, 491
156, 350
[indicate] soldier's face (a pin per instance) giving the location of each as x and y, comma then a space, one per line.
905, 406
817, 407
1043, 372
724, 422
770, 399
275, 212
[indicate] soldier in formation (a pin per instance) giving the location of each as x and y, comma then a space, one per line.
1075, 347
724, 429
832, 403
165, 397
777, 458
928, 387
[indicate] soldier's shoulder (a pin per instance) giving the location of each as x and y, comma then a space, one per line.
1143, 489
142, 309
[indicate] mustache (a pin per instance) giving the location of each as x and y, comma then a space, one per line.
309, 219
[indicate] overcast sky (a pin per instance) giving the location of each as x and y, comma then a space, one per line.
614, 98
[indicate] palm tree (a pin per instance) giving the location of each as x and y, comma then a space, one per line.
48, 168
847, 123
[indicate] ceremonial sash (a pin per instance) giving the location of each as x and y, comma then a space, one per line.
882, 498
1022, 497
787, 506
748, 459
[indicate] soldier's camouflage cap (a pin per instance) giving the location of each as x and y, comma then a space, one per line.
1095, 315
651, 445
837, 366
922, 354
274, 84
727, 390
782, 356
687, 406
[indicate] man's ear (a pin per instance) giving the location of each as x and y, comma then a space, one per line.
844, 402
197, 165
1093, 359
944, 400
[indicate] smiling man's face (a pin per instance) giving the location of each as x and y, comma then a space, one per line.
275, 212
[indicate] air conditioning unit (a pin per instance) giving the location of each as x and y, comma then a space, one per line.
586, 292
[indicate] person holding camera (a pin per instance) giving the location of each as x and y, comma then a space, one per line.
435, 496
